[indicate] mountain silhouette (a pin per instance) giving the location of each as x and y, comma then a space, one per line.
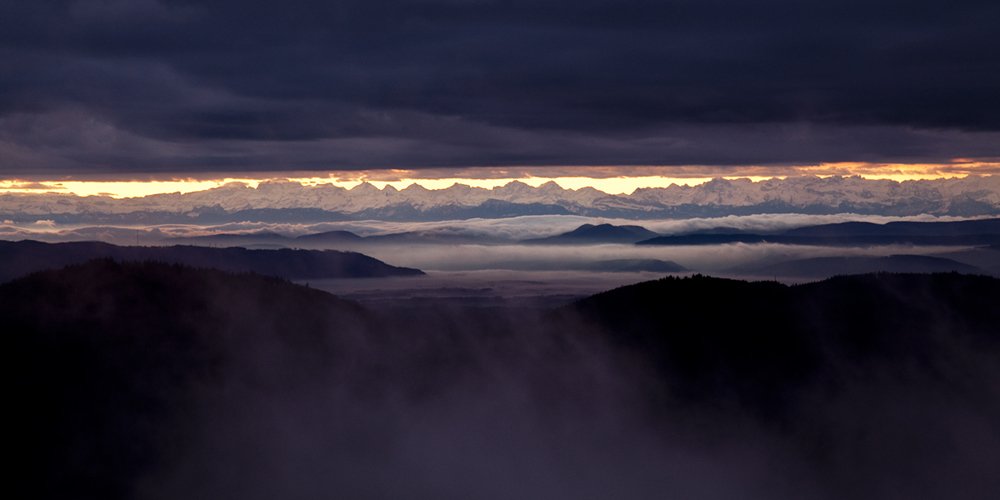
762, 343
110, 353
345, 238
22, 257
901, 228
825, 267
986, 258
953, 233
233, 239
588, 234
330, 237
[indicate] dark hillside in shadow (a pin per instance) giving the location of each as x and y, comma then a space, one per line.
159, 381
758, 340
152, 380
110, 356
881, 381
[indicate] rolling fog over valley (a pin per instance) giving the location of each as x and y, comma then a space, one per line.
578, 256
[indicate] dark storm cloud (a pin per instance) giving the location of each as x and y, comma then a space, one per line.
229, 85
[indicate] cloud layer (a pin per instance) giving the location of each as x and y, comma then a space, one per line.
130, 86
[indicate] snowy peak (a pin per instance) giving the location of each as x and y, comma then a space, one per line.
970, 196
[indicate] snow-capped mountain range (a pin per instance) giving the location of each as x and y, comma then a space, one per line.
969, 196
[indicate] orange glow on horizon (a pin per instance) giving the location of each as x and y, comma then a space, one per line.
600, 178
119, 189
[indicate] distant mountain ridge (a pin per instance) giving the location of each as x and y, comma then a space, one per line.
339, 237
24, 257
287, 201
979, 232
969, 232
601, 233
825, 267
901, 228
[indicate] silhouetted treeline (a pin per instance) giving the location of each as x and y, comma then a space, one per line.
868, 375
712, 335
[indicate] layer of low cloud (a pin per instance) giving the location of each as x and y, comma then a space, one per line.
511, 229
499, 249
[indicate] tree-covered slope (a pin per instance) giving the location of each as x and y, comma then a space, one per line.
104, 359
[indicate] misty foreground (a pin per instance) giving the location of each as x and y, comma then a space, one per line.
150, 380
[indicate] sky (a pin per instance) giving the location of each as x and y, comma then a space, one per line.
163, 89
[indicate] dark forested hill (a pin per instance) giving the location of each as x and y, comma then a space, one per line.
761, 339
880, 380
102, 361
161, 381
589, 234
21, 257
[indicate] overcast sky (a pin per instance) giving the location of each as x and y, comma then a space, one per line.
140, 86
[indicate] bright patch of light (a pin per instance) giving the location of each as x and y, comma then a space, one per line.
119, 189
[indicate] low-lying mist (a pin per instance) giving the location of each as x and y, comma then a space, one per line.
485, 288
567, 272
495, 244
165, 382
468, 405
504, 229
702, 258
